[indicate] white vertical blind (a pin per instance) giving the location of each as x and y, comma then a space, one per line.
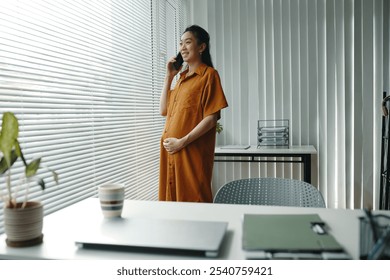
84, 79
322, 64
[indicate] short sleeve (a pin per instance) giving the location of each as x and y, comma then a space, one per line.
213, 99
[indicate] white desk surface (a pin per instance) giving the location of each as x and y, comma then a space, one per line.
60, 227
309, 149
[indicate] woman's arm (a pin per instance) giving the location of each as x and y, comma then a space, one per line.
173, 145
171, 73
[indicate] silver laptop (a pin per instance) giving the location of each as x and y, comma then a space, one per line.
154, 235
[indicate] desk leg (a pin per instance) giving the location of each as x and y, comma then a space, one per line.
307, 168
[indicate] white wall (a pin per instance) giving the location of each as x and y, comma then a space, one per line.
319, 63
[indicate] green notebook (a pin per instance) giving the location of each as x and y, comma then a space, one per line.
286, 233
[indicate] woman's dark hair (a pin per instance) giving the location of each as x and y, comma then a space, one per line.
202, 36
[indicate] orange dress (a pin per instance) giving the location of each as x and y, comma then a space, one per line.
186, 175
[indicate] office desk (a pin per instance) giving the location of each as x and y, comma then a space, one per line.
304, 154
60, 227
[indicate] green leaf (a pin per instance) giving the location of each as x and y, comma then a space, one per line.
3, 166
3, 163
19, 153
55, 176
41, 183
9, 134
219, 128
32, 167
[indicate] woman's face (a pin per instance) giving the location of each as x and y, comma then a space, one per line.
189, 48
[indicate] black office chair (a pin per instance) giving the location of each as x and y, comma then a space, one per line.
270, 191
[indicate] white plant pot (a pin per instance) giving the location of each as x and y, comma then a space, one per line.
23, 226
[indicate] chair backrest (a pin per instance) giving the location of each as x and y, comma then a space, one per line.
270, 191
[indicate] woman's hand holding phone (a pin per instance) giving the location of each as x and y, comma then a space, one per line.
178, 62
174, 65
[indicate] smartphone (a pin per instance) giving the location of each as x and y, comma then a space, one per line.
179, 61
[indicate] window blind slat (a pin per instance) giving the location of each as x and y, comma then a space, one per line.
87, 103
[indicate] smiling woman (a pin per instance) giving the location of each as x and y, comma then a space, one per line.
86, 102
192, 109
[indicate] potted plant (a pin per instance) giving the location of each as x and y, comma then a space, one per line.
219, 127
23, 220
